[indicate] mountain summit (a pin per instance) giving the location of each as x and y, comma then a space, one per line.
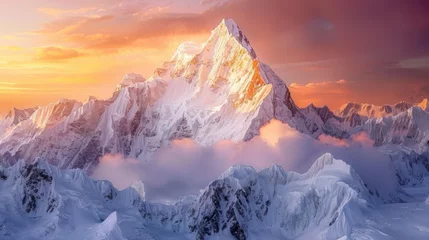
235, 31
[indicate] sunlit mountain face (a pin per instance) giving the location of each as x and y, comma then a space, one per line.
233, 119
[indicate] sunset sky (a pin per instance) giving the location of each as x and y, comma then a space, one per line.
328, 52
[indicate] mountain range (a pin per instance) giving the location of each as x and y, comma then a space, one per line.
215, 91
207, 92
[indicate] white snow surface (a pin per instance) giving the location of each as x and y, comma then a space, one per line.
330, 201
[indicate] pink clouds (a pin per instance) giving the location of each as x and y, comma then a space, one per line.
119, 171
55, 12
363, 139
360, 139
325, 139
185, 167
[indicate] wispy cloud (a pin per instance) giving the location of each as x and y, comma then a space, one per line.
8, 83
13, 87
55, 12
52, 54
11, 48
331, 93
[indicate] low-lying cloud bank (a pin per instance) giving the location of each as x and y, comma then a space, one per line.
185, 167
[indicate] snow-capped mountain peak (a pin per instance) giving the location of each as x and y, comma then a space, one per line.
15, 115
90, 98
235, 31
53, 113
208, 93
186, 52
130, 79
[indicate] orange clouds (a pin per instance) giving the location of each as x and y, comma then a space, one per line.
74, 25
317, 84
107, 32
330, 93
51, 54
55, 12
119, 25
11, 48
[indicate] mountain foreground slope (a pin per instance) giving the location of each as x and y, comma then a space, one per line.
329, 201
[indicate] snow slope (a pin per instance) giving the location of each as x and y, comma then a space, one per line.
39, 201
409, 128
14, 117
397, 221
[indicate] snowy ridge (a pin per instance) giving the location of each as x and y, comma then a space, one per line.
409, 128
241, 204
13, 118
234, 30
130, 79
323, 121
41, 119
16, 116
108, 229
374, 111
